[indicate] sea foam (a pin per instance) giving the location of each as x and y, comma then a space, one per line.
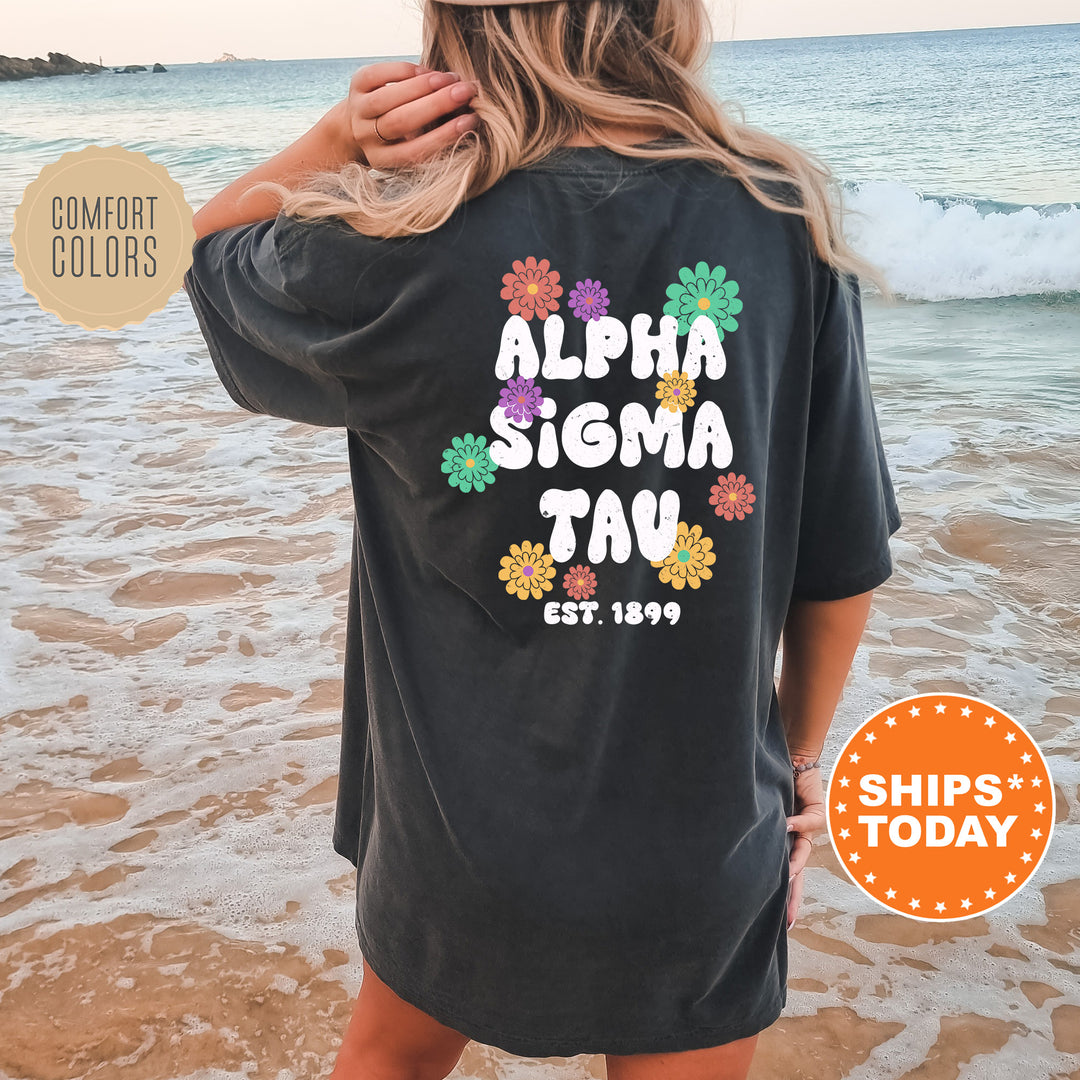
950, 248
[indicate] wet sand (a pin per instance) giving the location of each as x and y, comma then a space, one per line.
170, 903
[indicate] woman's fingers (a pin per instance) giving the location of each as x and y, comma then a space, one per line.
406, 99
809, 805
794, 899
371, 76
427, 144
414, 108
800, 855
808, 820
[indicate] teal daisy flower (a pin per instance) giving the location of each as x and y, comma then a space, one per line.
702, 291
467, 461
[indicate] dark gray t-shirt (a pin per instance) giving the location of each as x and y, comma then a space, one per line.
603, 424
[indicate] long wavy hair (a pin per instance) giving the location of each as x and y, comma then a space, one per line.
553, 71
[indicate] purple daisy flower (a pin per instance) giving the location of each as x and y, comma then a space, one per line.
589, 300
521, 399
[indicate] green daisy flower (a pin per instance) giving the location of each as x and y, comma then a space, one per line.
702, 291
468, 463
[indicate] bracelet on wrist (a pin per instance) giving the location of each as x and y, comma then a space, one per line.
796, 769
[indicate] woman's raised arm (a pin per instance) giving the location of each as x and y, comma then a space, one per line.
404, 97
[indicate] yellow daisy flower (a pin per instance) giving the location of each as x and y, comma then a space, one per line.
690, 559
676, 392
527, 570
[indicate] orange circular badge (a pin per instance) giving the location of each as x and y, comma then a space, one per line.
940, 807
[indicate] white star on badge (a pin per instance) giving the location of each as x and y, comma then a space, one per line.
870, 879
914, 710
913, 903
990, 721
844, 834
854, 757
841, 807
891, 721
890, 894
1036, 833
939, 906
1025, 758
965, 903
1026, 857
990, 894
939, 708
1039, 808
844, 781
1011, 737
966, 710
1010, 878
870, 736
1036, 781
854, 856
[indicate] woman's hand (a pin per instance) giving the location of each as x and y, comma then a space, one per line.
808, 820
405, 99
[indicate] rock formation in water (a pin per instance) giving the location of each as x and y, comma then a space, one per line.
14, 67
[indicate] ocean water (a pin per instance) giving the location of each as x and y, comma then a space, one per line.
175, 573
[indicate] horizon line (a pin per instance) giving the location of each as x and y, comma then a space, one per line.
715, 41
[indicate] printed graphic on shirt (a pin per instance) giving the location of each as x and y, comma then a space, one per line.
732, 496
468, 462
527, 570
702, 290
678, 361
689, 560
532, 288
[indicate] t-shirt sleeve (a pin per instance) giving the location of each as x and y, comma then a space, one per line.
244, 284
849, 508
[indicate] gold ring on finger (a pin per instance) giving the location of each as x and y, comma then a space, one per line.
381, 136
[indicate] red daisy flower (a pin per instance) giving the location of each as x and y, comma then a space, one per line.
580, 582
532, 288
732, 496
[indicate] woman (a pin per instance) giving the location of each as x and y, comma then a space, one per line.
597, 349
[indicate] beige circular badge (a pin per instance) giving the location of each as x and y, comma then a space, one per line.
103, 237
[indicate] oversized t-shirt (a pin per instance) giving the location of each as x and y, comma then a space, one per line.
603, 425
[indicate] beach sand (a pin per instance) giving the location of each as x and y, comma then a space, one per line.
170, 903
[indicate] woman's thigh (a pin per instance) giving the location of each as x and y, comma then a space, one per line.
389, 1039
728, 1062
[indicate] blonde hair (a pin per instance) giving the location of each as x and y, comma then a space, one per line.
552, 71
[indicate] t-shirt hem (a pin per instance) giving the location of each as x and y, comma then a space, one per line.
343, 849
203, 309
842, 588
563, 1044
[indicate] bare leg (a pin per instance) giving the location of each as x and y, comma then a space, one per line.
728, 1062
389, 1039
